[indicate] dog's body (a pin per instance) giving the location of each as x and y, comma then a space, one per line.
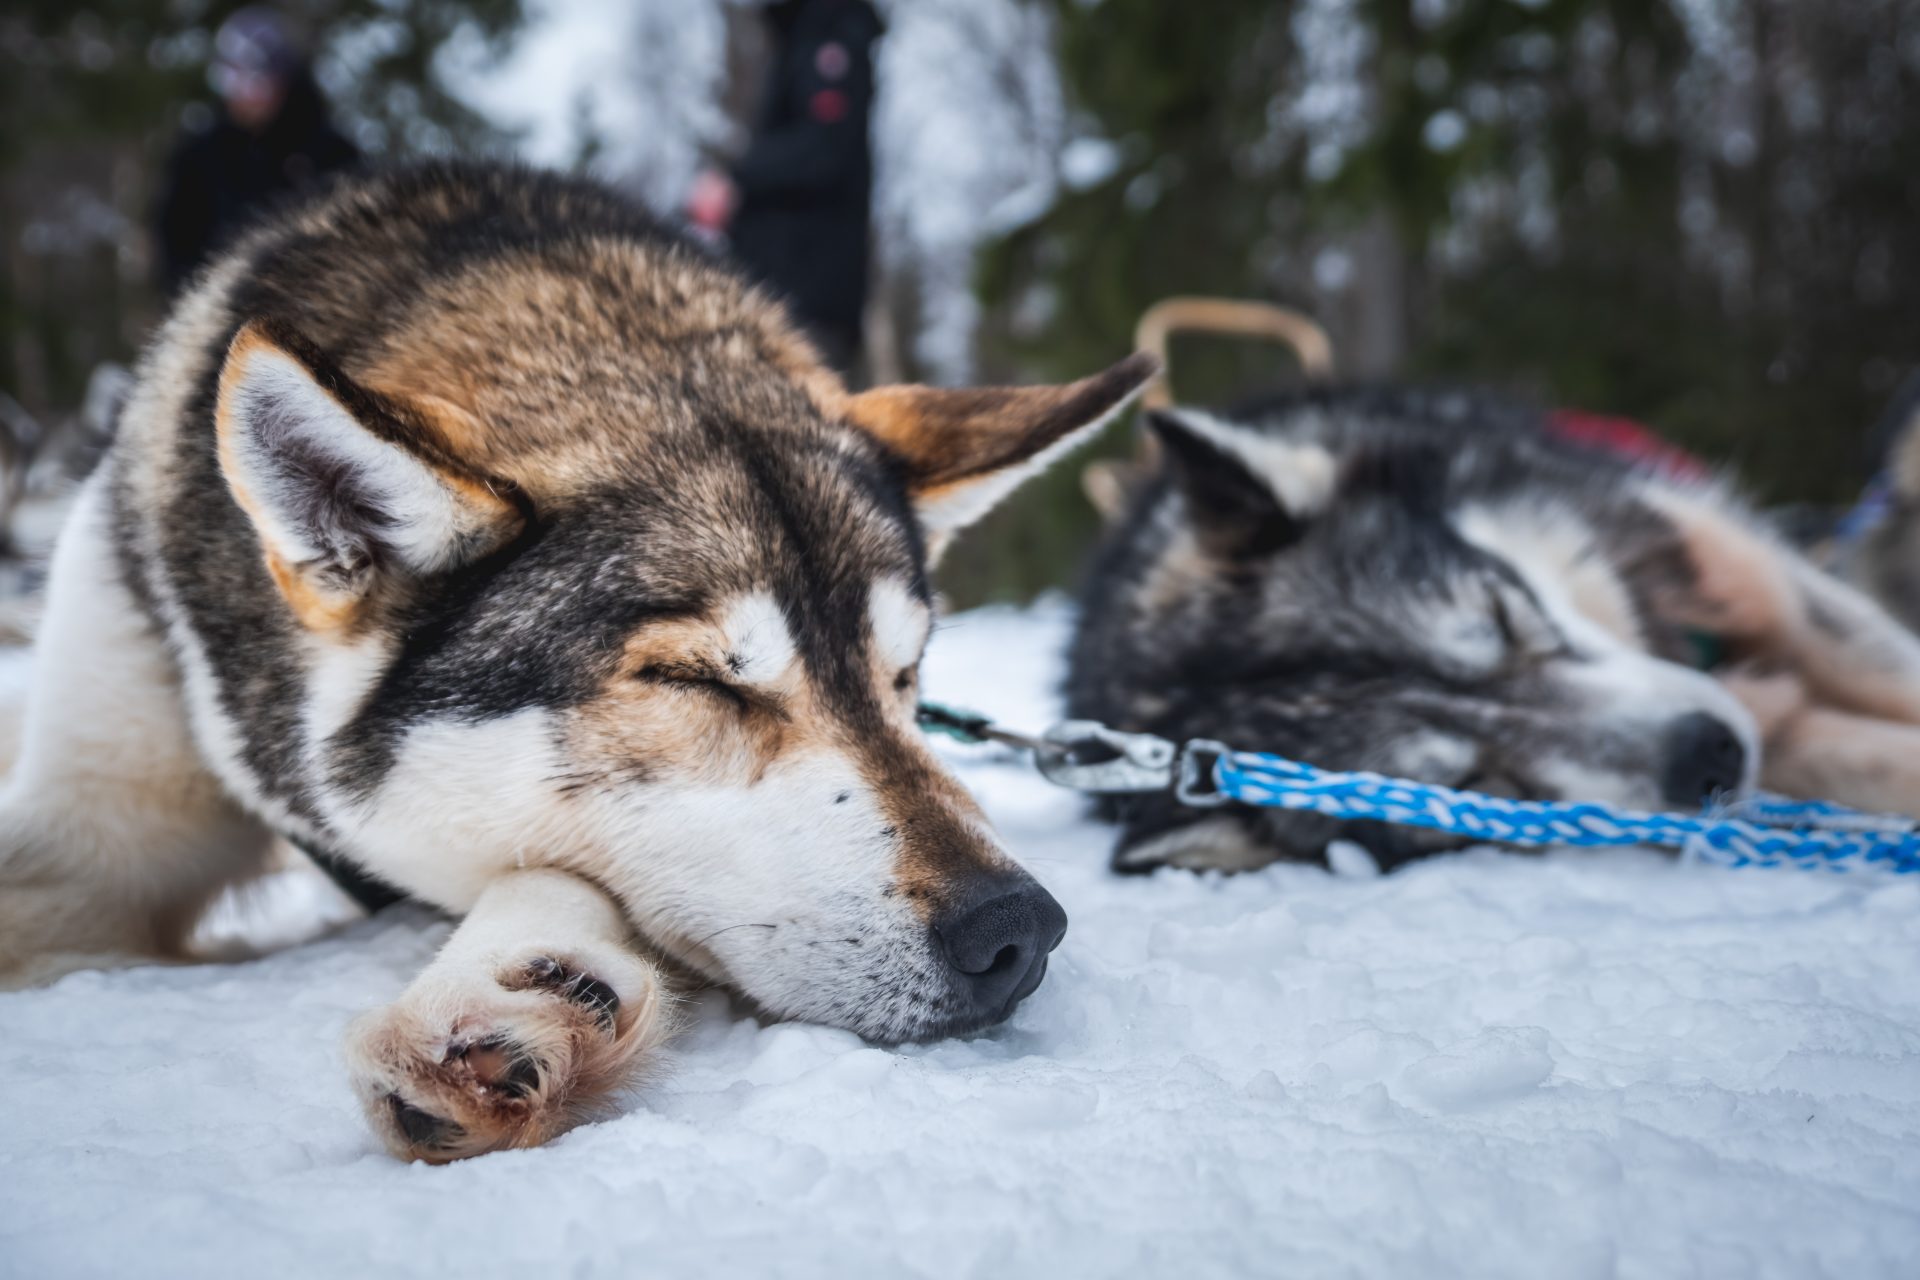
1428, 585
466, 528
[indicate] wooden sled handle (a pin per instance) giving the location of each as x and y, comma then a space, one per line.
1109, 484
1169, 316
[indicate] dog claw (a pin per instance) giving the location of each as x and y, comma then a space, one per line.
420, 1128
549, 974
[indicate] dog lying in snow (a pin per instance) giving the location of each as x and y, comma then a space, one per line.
1431, 586
466, 528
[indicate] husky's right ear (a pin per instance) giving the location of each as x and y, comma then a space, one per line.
1246, 494
963, 449
341, 485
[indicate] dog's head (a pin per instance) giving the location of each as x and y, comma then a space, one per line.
651, 609
1383, 603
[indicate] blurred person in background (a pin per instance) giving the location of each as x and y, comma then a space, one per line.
795, 207
270, 135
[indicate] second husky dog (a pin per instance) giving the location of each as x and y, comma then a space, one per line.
1429, 585
467, 529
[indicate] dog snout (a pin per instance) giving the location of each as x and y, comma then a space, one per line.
1703, 758
996, 944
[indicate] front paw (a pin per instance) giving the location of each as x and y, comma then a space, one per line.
507, 1057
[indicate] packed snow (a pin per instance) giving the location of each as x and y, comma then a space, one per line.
1484, 1065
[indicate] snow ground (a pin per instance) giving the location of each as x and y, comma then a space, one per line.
1486, 1065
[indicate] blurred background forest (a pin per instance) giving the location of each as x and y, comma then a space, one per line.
1700, 214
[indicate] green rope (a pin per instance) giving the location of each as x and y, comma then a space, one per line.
955, 722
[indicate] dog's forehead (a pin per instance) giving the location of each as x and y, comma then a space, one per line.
708, 538
761, 557
1377, 598
720, 507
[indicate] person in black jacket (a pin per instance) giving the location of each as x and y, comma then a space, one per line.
796, 206
271, 135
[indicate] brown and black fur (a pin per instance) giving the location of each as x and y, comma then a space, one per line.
472, 531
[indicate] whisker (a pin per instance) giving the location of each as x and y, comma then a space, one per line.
730, 928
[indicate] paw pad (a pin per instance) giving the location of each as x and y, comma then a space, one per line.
500, 1064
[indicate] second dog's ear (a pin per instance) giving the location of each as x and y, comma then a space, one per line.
1246, 494
342, 486
964, 449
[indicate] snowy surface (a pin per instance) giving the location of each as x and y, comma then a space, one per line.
1487, 1065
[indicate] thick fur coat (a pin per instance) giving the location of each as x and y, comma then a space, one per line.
1428, 584
468, 529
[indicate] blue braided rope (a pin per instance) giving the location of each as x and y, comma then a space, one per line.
1766, 831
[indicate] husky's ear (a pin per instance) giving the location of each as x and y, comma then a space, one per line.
1246, 494
965, 449
342, 485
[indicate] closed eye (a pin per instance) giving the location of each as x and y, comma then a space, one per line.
696, 679
1524, 626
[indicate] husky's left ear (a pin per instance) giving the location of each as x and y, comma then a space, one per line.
1247, 494
964, 449
343, 486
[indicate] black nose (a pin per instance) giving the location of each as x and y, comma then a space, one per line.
1703, 758
997, 942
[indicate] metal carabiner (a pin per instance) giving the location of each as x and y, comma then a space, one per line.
1198, 783
1088, 756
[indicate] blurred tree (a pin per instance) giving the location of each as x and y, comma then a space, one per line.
1161, 194
1705, 216
91, 96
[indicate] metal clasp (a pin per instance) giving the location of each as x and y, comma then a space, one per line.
1197, 784
1088, 756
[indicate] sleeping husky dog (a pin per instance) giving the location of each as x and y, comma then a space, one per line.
467, 529
1430, 586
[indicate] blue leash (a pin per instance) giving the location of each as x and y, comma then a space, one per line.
1761, 831
1765, 831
